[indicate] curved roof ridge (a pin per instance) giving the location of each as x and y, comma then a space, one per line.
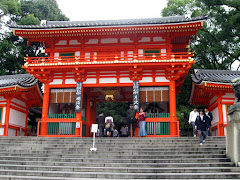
92, 23
221, 76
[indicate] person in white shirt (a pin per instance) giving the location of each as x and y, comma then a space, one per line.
192, 118
109, 125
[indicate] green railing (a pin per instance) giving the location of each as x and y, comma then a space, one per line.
157, 115
84, 119
52, 116
84, 130
158, 128
61, 128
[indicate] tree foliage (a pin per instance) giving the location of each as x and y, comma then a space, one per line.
43, 9
217, 43
24, 12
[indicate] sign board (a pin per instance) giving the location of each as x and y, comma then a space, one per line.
78, 97
94, 128
136, 95
77, 125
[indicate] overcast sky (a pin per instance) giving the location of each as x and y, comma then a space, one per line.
81, 10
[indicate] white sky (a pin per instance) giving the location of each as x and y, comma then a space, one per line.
81, 10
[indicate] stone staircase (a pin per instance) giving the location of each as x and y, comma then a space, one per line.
116, 158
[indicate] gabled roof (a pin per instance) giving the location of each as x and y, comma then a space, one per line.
22, 80
217, 76
143, 21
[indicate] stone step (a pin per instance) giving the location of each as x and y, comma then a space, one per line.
93, 155
222, 175
116, 160
120, 169
103, 153
110, 164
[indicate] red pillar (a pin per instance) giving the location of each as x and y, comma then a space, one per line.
7, 116
172, 104
26, 122
45, 108
88, 115
220, 112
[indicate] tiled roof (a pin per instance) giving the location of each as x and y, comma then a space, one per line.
143, 21
23, 80
221, 76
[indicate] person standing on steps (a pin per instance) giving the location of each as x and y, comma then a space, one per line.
201, 126
101, 123
192, 118
209, 119
109, 125
131, 114
142, 116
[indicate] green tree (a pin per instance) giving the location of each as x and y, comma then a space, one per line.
217, 43
27, 12
29, 19
43, 9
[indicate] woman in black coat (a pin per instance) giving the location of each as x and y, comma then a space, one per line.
201, 126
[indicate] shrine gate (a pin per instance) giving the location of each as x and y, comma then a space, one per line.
143, 61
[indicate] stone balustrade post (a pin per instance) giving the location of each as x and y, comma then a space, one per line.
233, 134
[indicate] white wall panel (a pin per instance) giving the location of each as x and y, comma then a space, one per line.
125, 80
146, 79
108, 80
161, 79
1, 130
90, 81
56, 81
17, 118
70, 81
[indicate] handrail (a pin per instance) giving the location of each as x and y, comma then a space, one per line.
108, 57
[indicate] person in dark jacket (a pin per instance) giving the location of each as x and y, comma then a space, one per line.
209, 119
101, 123
201, 126
131, 120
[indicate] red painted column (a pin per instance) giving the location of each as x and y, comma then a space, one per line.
220, 112
88, 115
7, 116
172, 104
26, 122
45, 108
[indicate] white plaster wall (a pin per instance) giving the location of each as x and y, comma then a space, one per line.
17, 118
224, 113
77, 53
164, 51
62, 42
125, 40
213, 99
2, 98
1, 131
3, 115
161, 79
70, 81
145, 39
157, 39
56, 54
146, 79
108, 80
17, 101
74, 42
90, 81
56, 81
125, 80
215, 116
92, 41
109, 40
229, 95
